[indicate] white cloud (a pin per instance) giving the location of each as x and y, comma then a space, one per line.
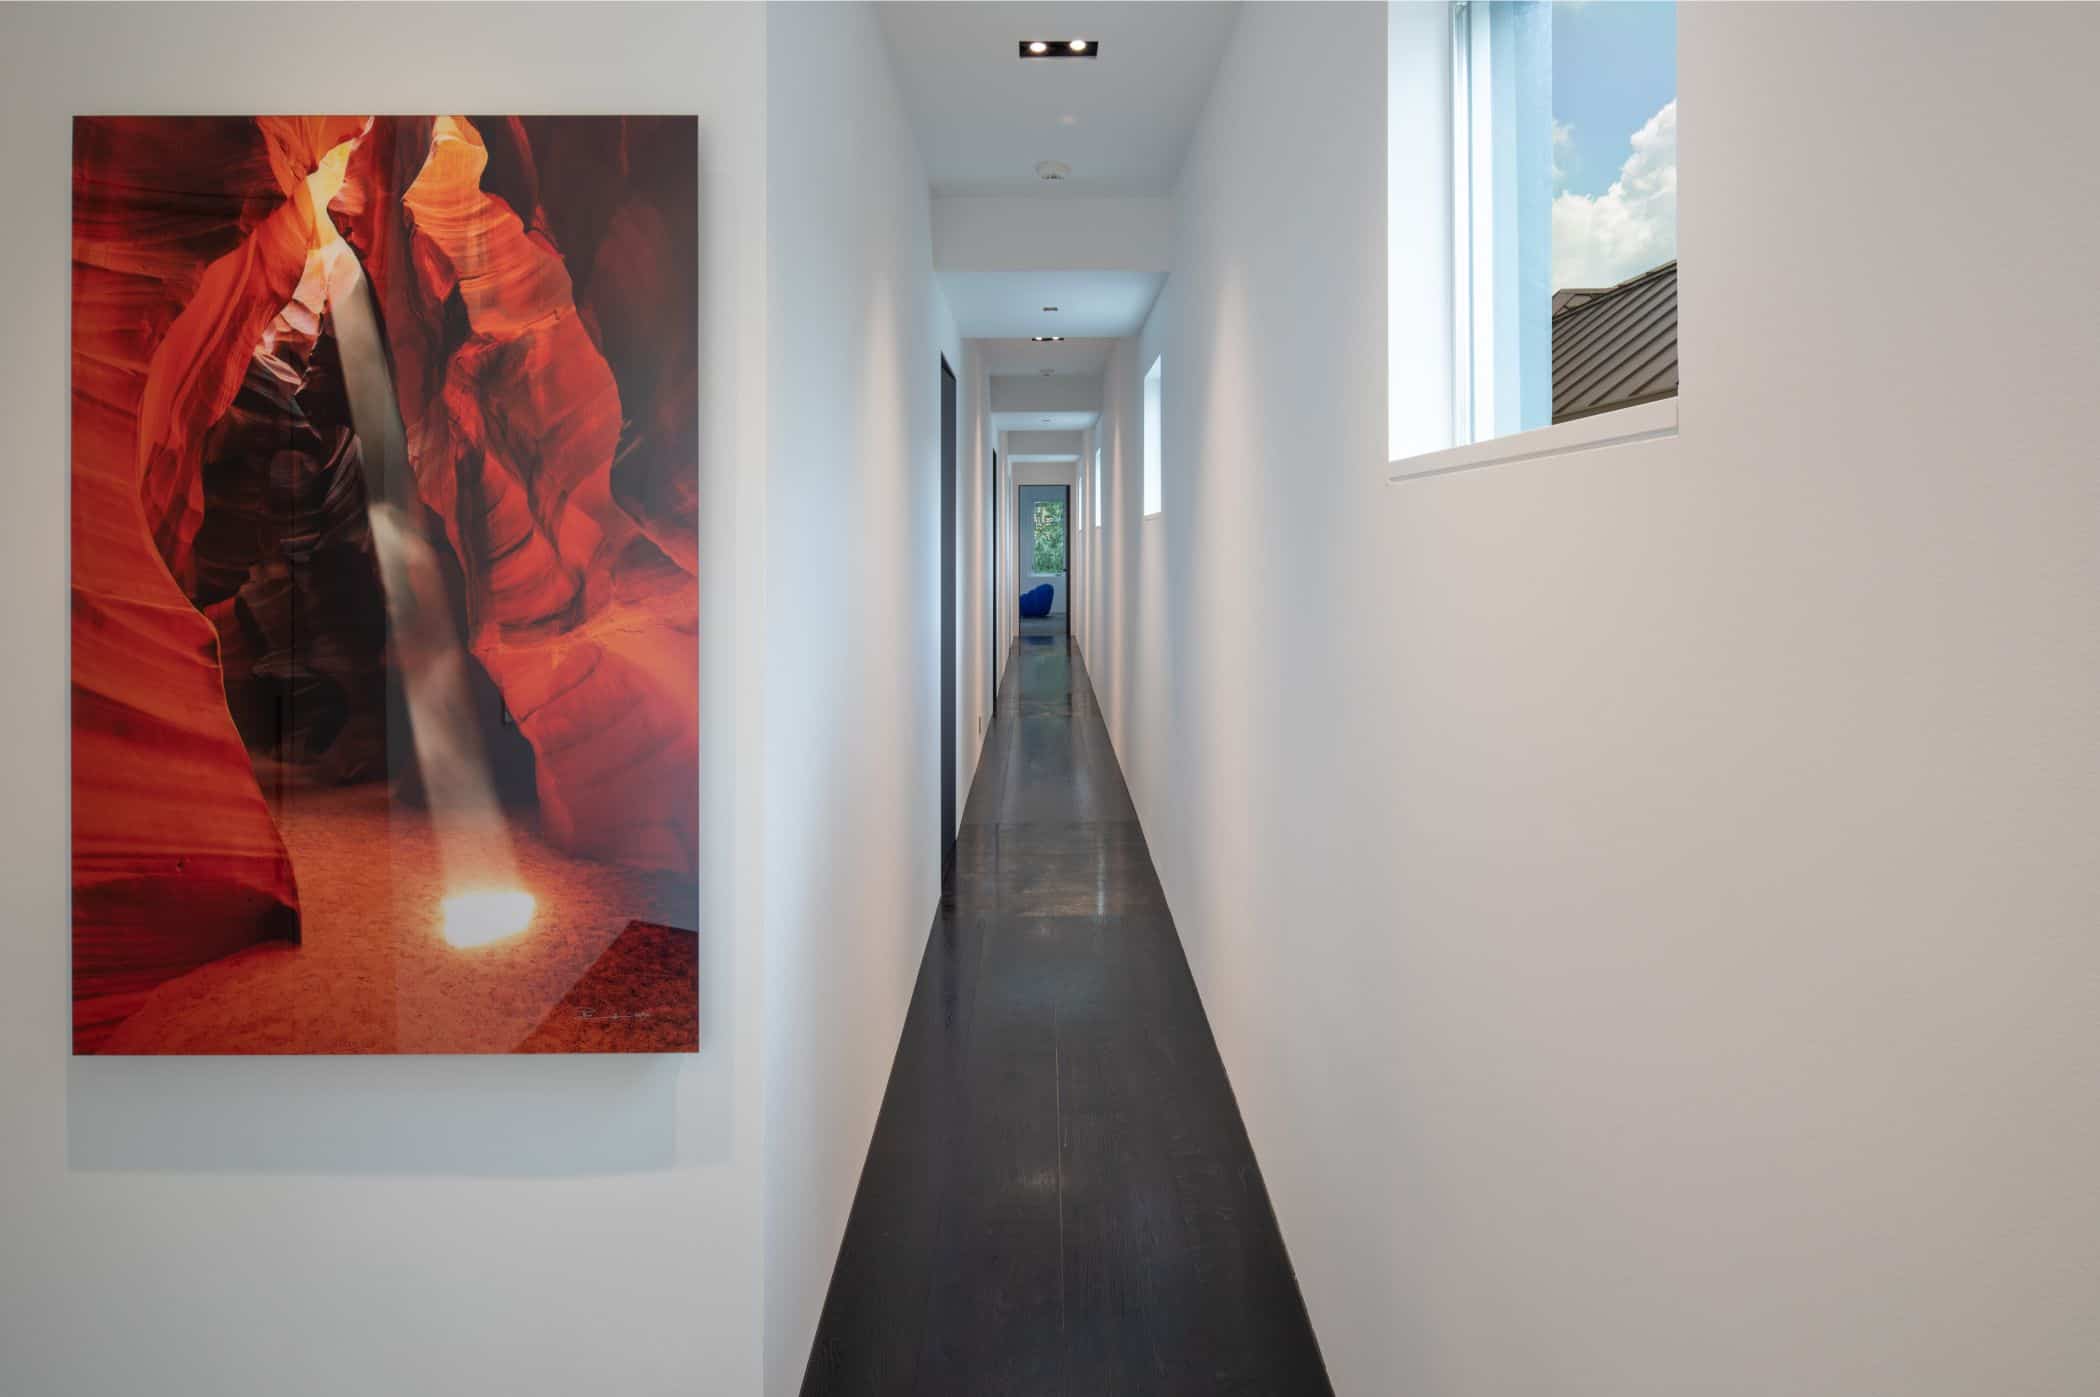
1563, 139
1603, 238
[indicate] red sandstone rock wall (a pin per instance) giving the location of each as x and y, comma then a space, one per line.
175, 858
536, 281
564, 488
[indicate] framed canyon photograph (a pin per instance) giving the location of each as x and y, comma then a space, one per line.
384, 616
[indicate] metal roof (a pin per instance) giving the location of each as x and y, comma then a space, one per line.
1614, 346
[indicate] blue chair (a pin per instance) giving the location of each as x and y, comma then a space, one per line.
1036, 600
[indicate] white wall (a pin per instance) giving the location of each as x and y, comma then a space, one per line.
354, 1226
1049, 442
982, 651
1046, 393
1645, 898
1096, 558
852, 604
531, 1225
1079, 534
1005, 601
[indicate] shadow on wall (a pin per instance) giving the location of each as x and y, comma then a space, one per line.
497, 1116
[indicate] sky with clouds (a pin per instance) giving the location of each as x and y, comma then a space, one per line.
1614, 139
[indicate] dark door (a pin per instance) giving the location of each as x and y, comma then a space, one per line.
991, 582
1071, 593
949, 634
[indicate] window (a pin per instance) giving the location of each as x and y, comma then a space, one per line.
1049, 548
1152, 500
1097, 487
1561, 228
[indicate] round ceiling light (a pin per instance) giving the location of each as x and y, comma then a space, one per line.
1078, 46
1039, 47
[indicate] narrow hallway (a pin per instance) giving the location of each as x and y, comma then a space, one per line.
1060, 1196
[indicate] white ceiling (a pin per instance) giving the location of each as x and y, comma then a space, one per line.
984, 117
1091, 304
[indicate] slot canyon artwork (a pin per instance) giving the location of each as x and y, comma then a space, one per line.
384, 612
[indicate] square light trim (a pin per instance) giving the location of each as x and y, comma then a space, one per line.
1033, 50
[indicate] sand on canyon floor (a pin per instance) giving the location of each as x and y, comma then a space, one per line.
373, 972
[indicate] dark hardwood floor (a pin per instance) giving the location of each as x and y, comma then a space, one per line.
1060, 1196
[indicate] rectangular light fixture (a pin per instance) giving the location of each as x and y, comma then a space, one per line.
1048, 339
1060, 48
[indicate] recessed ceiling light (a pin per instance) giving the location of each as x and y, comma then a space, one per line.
1048, 339
1059, 48
1052, 169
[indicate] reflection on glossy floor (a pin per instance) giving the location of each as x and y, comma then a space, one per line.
1060, 1197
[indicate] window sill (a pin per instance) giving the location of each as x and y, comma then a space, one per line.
1643, 422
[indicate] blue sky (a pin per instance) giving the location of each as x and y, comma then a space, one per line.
1615, 139
1614, 67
